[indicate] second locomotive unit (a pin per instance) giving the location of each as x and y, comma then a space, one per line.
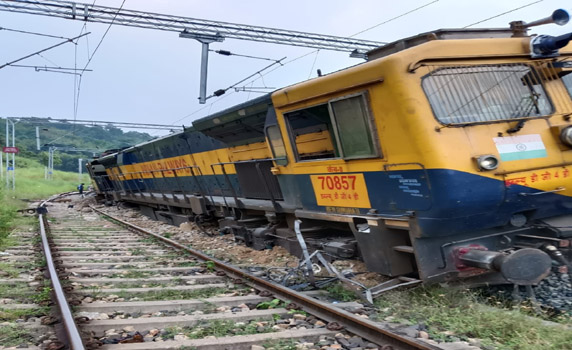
447, 155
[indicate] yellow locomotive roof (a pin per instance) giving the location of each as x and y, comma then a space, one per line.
440, 34
404, 61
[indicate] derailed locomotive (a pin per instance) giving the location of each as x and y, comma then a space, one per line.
447, 155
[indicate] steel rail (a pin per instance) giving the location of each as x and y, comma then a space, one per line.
362, 327
72, 332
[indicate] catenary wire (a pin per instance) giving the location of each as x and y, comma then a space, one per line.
47, 59
92, 55
394, 18
79, 81
360, 32
32, 33
313, 64
498, 15
504, 13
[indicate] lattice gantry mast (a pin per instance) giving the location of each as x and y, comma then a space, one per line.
205, 31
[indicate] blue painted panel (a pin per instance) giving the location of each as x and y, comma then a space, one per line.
460, 202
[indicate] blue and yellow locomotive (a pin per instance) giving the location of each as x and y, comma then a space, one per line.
446, 155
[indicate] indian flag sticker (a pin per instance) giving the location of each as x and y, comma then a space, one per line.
520, 147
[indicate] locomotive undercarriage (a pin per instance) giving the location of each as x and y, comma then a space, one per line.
393, 247
518, 255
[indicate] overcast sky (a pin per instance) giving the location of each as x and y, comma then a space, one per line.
150, 76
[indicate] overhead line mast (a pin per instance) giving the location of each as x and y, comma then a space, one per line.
205, 31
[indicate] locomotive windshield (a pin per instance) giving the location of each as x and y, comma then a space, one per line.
474, 94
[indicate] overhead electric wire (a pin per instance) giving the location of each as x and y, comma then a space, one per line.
484, 20
77, 96
45, 67
104, 34
313, 64
394, 18
360, 32
43, 50
47, 59
504, 13
220, 92
32, 33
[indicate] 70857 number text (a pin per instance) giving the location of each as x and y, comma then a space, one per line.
338, 182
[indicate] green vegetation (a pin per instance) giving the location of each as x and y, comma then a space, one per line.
31, 184
13, 335
42, 296
8, 270
274, 303
210, 265
68, 135
15, 290
456, 313
7, 215
339, 292
7, 314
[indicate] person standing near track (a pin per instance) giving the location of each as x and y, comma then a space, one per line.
80, 189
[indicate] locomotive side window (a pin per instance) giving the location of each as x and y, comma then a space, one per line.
312, 133
353, 127
276, 144
339, 129
567, 80
472, 94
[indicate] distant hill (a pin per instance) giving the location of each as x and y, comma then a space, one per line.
68, 135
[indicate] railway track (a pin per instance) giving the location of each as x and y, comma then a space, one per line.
132, 289
24, 292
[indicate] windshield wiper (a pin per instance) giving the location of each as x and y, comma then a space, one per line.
517, 127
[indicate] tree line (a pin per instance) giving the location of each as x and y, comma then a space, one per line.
66, 136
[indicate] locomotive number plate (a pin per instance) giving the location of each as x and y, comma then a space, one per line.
341, 190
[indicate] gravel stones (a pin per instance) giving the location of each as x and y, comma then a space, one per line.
555, 291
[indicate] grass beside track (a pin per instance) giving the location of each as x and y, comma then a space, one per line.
13, 335
7, 314
457, 314
31, 185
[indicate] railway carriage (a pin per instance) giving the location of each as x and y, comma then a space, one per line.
447, 155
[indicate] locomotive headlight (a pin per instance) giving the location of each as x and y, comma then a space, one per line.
566, 136
487, 162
